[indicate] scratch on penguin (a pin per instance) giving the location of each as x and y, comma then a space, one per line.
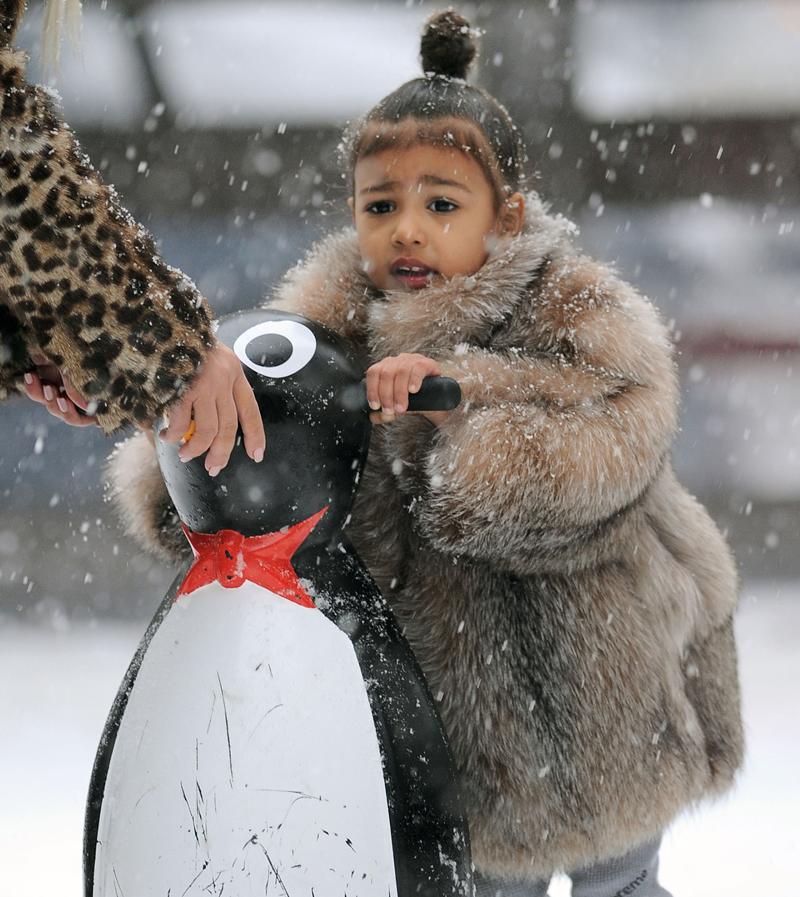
211, 887
141, 737
149, 791
211, 715
117, 886
227, 728
274, 870
191, 883
194, 824
291, 806
262, 720
199, 803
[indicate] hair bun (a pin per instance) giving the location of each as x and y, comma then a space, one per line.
449, 45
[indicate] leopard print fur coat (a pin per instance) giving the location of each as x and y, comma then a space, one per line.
570, 603
80, 281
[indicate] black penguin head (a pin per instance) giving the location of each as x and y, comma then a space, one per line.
307, 386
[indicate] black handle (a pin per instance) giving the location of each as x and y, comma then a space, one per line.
435, 394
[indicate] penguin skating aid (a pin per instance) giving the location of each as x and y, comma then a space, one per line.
274, 733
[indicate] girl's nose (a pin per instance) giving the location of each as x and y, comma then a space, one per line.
408, 232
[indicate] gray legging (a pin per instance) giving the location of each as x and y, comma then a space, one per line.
632, 875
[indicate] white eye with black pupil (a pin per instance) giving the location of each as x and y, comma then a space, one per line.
276, 348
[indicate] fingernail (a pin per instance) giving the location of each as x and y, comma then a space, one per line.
399, 409
375, 406
213, 471
62, 404
258, 455
48, 393
28, 379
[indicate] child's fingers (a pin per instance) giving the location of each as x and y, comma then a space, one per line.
373, 378
402, 382
386, 389
425, 367
255, 440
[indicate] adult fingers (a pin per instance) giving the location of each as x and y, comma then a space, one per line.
206, 426
74, 396
255, 440
69, 413
49, 373
222, 445
179, 419
34, 388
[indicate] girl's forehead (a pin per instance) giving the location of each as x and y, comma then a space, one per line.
411, 165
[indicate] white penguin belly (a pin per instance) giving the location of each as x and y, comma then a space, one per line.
246, 761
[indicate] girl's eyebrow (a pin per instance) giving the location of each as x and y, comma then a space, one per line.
434, 179
442, 182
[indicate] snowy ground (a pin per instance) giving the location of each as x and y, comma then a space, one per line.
56, 687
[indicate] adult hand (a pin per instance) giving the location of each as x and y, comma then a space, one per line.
218, 400
49, 387
390, 381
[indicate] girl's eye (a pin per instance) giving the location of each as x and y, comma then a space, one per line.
380, 207
442, 205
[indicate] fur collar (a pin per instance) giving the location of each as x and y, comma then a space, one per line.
469, 308
331, 286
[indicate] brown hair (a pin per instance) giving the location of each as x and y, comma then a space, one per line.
441, 109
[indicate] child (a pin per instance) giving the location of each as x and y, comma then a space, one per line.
91, 318
569, 602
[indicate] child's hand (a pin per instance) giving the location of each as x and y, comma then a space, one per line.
389, 382
49, 387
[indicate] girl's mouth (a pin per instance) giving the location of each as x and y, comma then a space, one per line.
412, 273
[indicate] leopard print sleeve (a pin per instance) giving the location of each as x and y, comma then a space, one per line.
80, 281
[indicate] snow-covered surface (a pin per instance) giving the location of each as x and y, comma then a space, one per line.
249, 63
56, 687
714, 57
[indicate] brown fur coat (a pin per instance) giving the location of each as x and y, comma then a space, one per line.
569, 602
80, 281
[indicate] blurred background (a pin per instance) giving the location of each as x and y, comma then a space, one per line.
668, 130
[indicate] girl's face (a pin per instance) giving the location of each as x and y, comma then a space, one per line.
426, 212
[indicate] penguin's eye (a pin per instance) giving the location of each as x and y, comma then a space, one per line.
276, 348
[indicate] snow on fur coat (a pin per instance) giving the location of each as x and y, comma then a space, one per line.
570, 603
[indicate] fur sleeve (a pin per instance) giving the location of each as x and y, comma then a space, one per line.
548, 448
80, 280
137, 491
329, 287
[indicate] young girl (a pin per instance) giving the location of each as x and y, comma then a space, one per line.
569, 602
